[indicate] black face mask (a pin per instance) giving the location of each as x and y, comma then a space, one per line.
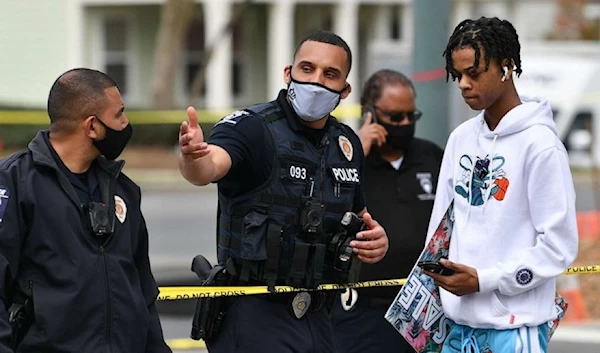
399, 136
114, 141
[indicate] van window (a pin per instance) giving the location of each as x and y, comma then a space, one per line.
580, 133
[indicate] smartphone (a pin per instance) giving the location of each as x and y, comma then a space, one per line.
373, 115
435, 267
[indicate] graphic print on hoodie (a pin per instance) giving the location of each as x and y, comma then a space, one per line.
514, 213
483, 180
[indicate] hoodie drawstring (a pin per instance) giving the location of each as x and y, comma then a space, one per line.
473, 172
470, 345
491, 173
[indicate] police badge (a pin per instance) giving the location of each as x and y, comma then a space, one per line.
300, 304
346, 147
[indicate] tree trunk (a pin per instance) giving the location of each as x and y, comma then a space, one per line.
176, 16
569, 21
234, 19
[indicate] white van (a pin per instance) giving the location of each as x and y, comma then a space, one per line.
568, 75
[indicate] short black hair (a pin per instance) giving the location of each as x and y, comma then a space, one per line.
497, 37
374, 86
327, 37
76, 94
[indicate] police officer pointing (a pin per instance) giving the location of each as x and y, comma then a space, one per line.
74, 269
287, 173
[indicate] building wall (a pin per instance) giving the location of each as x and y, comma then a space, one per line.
141, 25
40, 39
34, 49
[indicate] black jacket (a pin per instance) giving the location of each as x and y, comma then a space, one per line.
401, 201
87, 297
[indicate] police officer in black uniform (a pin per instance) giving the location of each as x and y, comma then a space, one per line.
74, 269
287, 173
399, 180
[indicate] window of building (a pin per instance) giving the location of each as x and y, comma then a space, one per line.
195, 52
116, 51
238, 62
396, 23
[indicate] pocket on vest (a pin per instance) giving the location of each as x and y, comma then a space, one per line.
254, 234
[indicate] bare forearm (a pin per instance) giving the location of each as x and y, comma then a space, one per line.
200, 171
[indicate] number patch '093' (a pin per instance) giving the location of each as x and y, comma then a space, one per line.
297, 172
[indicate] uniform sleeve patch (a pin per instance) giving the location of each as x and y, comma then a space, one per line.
4, 195
524, 276
346, 147
120, 209
233, 118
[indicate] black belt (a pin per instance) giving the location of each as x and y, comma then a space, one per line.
319, 299
365, 301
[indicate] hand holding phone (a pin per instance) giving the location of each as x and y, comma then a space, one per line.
435, 267
371, 134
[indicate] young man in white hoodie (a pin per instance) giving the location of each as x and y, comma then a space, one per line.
507, 171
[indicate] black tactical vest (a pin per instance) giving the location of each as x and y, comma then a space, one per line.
284, 231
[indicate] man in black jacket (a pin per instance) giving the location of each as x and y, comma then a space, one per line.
73, 241
399, 180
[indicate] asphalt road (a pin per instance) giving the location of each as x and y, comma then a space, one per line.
181, 224
585, 342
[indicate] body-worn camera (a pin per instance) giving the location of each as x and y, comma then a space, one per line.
99, 218
345, 261
311, 218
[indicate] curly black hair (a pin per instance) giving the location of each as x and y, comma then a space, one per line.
497, 37
373, 88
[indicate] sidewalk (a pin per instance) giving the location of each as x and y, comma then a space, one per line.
160, 179
584, 332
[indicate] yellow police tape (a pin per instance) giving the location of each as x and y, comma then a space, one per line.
181, 344
180, 293
581, 270
40, 117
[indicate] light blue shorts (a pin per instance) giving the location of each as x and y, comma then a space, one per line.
464, 339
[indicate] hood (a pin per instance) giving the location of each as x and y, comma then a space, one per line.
532, 111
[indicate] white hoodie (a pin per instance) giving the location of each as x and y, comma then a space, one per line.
515, 220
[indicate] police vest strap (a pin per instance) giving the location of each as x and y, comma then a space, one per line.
271, 269
292, 202
269, 110
274, 116
319, 263
299, 260
279, 200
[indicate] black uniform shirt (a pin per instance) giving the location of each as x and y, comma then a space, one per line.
401, 201
251, 147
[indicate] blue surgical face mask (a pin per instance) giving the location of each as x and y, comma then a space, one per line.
312, 101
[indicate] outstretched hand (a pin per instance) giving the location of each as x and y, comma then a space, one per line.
191, 138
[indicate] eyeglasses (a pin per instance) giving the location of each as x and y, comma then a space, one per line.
397, 117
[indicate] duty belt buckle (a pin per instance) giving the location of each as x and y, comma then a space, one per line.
300, 304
